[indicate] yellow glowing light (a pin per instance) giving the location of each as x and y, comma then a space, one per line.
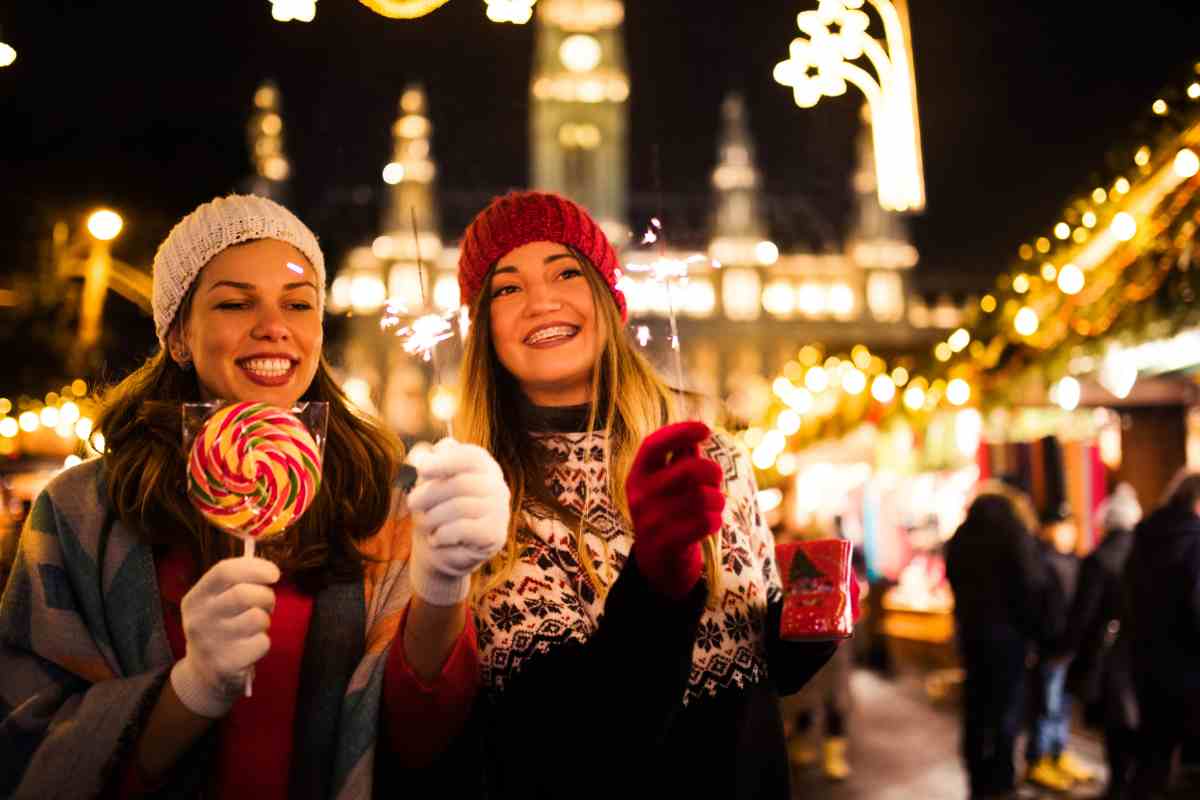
788, 422
49, 417
1159, 107
83, 428
816, 380
854, 382
79, 387
988, 303
1025, 252
1026, 321
443, 404
1142, 156
1089, 219
959, 340
942, 352
1187, 163
276, 168
809, 355
766, 253
71, 461
9, 427
517, 12
69, 414
914, 398
958, 392
1124, 226
900, 376
1049, 271
7, 54
793, 371
1062, 230
5, 405
786, 464
1070, 280
861, 356
1120, 186
1042, 244
104, 224
763, 457
1193, 91
393, 173
1020, 283
580, 52
1099, 196
28, 421
1066, 393
403, 9
97, 442
753, 437
782, 387
883, 389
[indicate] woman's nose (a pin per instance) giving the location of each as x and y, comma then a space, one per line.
542, 297
270, 326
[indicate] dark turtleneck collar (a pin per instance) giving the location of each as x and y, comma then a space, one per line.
554, 419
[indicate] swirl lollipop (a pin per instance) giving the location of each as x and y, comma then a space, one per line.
253, 470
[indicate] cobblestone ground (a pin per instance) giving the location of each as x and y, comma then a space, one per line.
904, 747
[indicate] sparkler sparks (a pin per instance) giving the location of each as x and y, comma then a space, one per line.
425, 333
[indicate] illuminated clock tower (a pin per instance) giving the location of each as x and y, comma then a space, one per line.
579, 115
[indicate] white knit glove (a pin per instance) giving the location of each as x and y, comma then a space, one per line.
225, 620
460, 509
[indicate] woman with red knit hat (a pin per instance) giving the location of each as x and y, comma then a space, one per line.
628, 631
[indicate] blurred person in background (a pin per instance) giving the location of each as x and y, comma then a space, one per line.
1004, 599
1162, 578
1051, 765
1099, 675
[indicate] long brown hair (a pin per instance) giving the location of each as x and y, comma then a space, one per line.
145, 473
628, 401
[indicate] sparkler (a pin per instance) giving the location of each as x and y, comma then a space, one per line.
424, 333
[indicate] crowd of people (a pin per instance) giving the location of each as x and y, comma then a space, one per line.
1117, 632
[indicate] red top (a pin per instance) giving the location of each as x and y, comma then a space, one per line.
255, 742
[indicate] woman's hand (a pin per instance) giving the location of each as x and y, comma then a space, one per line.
460, 511
226, 616
675, 501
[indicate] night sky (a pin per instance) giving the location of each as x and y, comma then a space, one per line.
142, 106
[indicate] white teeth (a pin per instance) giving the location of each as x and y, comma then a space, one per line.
551, 333
271, 367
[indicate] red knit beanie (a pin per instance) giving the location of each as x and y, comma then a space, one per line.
519, 218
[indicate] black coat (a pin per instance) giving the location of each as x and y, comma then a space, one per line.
1002, 585
1100, 671
1162, 578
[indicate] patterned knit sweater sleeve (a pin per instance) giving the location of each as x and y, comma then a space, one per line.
790, 665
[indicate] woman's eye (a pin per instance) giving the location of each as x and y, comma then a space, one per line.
300, 306
570, 272
232, 305
503, 290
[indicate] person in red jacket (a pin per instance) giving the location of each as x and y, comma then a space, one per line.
129, 624
629, 630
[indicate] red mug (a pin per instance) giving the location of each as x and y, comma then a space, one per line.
816, 579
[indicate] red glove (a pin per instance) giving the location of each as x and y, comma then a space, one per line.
675, 501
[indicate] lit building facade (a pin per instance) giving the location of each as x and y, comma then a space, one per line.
746, 307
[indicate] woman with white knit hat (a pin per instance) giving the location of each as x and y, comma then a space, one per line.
128, 626
629, 630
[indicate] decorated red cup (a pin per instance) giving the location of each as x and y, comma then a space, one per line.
816, 578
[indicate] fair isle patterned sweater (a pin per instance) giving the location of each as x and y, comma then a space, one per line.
549, 599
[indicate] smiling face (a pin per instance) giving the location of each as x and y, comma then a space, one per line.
252, 330
544, 324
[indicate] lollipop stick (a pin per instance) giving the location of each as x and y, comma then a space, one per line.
248, 552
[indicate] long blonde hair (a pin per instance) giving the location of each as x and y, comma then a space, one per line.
628, 402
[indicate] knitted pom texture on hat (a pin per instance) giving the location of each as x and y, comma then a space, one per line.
519, 218
211, 228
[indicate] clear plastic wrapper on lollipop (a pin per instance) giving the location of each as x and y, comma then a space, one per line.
253, 469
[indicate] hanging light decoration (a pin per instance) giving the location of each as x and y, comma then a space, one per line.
403, 9
8, 53
293, 10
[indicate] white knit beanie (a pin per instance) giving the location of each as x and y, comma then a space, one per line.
211, 228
